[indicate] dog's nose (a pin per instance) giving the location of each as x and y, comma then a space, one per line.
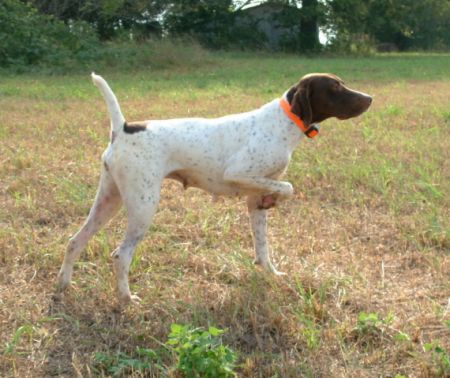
367, 99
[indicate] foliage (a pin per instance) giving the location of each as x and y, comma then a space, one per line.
210, 21
201, 353
406, 24
309, 25
24, 330
121, 363
27, 37
58, 34
370, 323
109, 17
152, 54
440, 357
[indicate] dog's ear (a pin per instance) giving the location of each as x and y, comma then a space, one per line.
300, 104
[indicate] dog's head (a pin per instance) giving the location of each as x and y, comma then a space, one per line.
320, 96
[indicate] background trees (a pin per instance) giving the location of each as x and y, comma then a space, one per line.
209, 21
29, 37
108, 17
405, 24
31, 29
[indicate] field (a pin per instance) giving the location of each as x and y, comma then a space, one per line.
365, 241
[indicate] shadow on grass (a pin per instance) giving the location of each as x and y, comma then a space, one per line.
251, 309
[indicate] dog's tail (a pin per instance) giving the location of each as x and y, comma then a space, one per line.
117, 118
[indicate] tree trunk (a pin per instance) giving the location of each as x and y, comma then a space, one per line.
309, 26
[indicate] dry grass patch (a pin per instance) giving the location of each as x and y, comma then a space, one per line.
365, 244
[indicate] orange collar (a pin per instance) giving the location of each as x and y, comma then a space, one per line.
310, 131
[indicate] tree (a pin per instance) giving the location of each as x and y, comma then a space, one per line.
309, 25
411, 24
108, 17
29, 37
209, 21
408, 24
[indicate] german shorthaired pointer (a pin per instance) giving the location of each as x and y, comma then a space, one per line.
241, 154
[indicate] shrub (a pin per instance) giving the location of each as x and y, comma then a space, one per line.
145, 361
30, 38
198, 354
152, 54
353, 44
440, 358
201, 353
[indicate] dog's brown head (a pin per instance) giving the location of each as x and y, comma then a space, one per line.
320, 96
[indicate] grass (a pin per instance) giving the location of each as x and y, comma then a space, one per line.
365, 241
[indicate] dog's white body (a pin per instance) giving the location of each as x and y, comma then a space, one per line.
241, 154
224, 156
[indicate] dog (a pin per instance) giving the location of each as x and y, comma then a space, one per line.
237, 155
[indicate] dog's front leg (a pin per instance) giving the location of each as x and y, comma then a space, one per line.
258, 221
256, 169
272, 191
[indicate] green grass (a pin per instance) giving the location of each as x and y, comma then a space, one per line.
365, 241
224, 73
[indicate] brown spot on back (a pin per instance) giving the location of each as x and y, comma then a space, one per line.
134, 127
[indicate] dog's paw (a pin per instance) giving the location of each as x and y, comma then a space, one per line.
62, 283
267, 202
135, 300
273, 199
129, 299
277, 272
269, 267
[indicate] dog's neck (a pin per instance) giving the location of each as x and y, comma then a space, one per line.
285, 131
309, 130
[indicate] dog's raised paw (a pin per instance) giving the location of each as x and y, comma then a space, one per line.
267, 202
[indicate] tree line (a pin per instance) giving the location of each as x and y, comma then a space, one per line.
29, 28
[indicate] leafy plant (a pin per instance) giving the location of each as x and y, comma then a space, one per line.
370, 323
121, 363
402, 336
371, 327
440, 357
201, 353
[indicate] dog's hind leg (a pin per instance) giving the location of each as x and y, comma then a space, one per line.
107, 203
141, 206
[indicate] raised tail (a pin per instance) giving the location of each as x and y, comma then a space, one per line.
117, 118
